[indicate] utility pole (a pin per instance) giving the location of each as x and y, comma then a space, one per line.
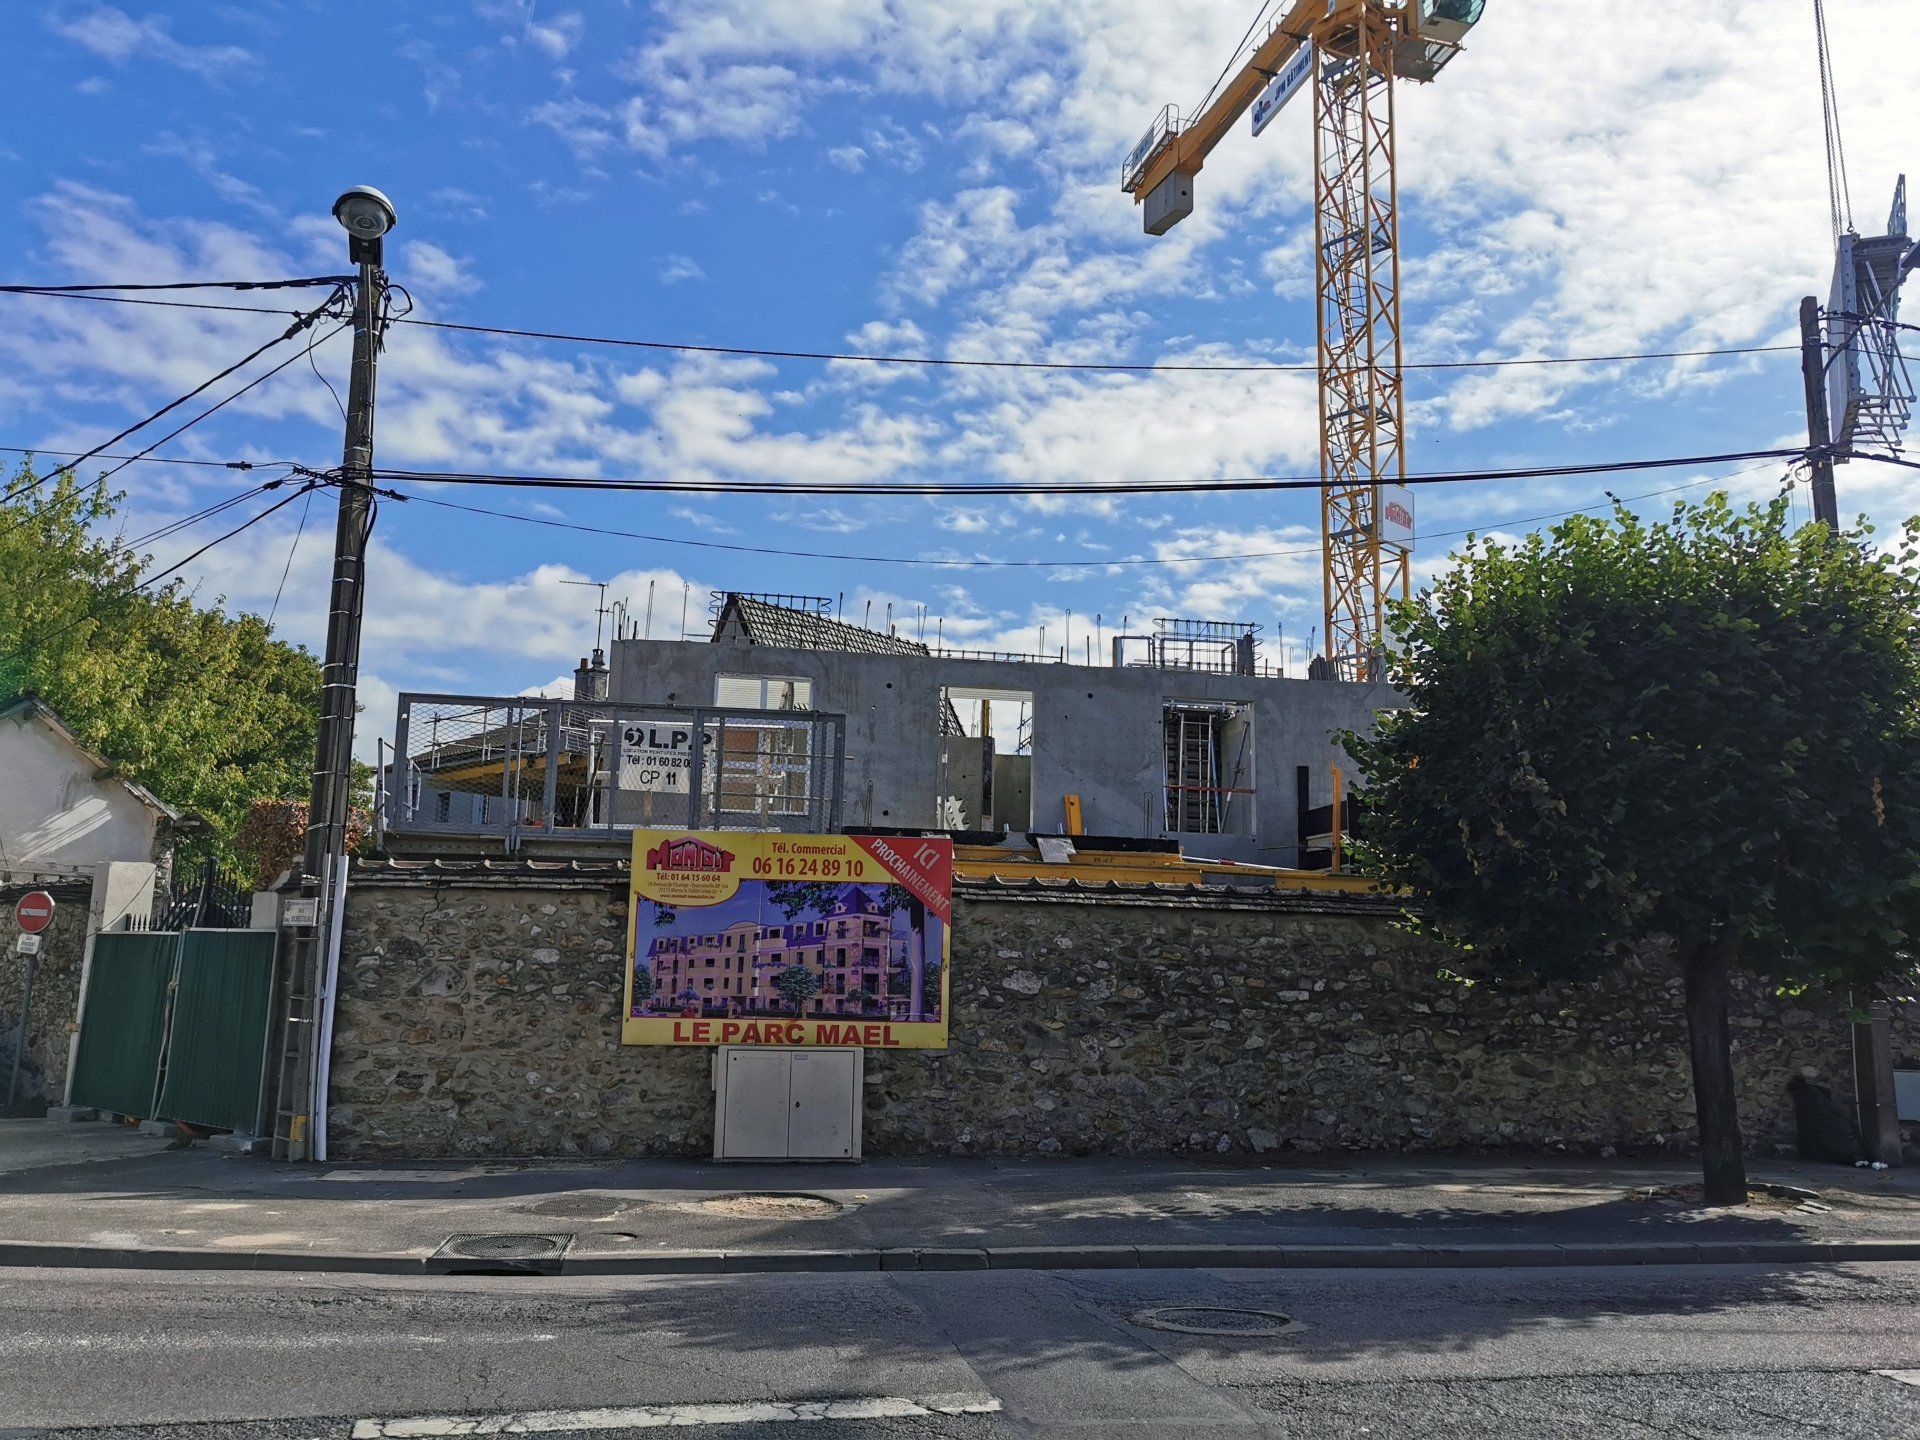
1813, 369
367, 215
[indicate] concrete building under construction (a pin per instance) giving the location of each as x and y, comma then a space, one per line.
790, 718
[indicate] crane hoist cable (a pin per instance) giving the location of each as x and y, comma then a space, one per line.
1839, 198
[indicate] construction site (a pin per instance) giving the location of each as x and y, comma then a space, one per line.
851, 835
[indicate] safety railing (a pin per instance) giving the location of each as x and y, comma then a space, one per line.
523, 768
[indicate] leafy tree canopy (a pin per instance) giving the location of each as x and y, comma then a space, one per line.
204, 708
1705, 730
1701, 736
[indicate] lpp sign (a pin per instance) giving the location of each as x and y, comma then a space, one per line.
657, 756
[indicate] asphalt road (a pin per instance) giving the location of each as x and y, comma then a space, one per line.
1687, 1351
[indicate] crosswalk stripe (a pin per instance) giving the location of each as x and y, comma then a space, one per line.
643, 1417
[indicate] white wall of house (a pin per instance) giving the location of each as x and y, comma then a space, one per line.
56, 810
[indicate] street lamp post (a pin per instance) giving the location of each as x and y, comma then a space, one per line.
366, 215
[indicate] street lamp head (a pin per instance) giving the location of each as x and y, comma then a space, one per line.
365, 213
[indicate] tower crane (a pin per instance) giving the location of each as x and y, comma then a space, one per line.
1351, 52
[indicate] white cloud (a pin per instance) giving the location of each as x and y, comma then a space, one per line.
702, 520
116, 36
963, 521
555, 35
436, 271
677, 269
850, 158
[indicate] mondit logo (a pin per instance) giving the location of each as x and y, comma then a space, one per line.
690, 854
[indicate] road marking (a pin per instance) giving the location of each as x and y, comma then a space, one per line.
1905, 1377
133, 1344
646, 1417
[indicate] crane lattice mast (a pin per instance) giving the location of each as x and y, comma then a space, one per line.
1352, 51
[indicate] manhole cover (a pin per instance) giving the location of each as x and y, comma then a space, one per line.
1212, 1320
581, 1205
767, 1207
510, 1254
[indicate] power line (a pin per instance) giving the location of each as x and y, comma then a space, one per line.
302, 320
83, 290
287, 569
29, 645
955, 362
984, 564
1105, 367
998, 487
145, 459
219, 405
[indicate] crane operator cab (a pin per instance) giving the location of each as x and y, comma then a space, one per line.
1438, 28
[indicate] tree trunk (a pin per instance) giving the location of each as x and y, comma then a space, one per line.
1709, 1041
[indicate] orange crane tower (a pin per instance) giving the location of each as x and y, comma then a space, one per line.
1351, 51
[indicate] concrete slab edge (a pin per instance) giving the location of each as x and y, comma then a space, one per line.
53, 1255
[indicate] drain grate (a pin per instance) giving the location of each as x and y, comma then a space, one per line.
502, 1254
1228, 1320
772, 1205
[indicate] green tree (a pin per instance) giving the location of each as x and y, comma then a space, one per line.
204, 708
1698, 738
797, 985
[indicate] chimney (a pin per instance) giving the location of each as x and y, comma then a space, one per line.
1245, 652
597, 674
583, 680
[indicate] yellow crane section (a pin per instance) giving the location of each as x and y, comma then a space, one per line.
1351, 52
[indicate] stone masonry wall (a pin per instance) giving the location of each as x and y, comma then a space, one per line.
483, 1018
56, 991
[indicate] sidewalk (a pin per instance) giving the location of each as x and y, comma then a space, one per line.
100, 1195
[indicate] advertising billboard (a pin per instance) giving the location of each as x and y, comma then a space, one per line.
1396, 514
753, 938
1284, 85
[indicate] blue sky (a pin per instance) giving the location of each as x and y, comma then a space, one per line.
922, 176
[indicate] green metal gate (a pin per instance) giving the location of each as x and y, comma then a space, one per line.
216, 1050
123, 1026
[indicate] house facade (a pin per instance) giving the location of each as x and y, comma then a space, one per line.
65, 809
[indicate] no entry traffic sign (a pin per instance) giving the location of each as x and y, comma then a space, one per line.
33, 912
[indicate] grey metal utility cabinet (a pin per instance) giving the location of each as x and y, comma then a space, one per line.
787, 1103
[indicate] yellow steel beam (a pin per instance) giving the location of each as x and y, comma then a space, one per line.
986, 862
1187, 151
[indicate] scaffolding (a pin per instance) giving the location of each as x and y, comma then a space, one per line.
1207, 747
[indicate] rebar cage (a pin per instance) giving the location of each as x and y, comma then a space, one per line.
525, 768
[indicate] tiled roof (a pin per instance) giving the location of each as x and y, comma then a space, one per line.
768, 624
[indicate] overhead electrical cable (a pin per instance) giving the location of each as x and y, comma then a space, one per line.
301, 321
287, 569
963, 490
1093, 366
118, 286
29, 645
219, 405
968, 363
148, 459
990, 564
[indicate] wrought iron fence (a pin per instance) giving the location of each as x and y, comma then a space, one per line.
202, 896
524, 768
